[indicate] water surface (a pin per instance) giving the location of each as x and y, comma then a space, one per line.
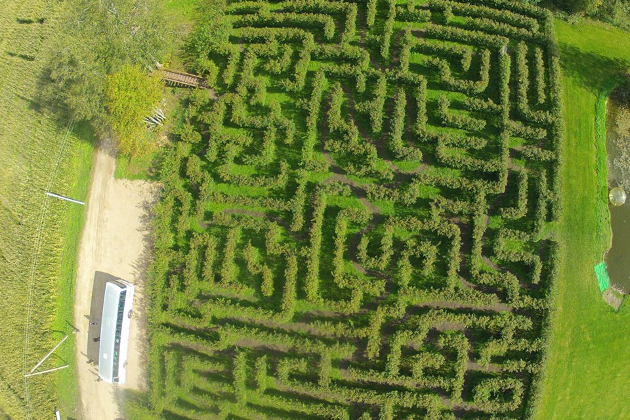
618, 257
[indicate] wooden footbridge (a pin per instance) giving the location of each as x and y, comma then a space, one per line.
179, 78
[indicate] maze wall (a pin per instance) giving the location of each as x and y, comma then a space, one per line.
360, 226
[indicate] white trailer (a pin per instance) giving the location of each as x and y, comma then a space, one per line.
114, 339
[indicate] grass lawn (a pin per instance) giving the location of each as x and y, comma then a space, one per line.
137, 168
182, 10
588, 374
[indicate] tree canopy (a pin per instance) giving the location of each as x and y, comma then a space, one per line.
99, 38
211, 31
616, 12
131, 96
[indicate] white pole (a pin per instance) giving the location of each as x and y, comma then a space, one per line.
49, 353
28, 375
61, 197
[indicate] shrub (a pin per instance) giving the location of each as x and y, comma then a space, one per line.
396, 141
260, 369
312, 265
489, 395
290, 279
461, 121
131, 96
375, 107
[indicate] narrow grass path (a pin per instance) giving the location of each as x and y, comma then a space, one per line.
588, 374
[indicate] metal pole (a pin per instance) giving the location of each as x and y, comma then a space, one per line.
61, 197
28, 375
49, 353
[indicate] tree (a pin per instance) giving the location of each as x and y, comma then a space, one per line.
98, 38
616, 12
210, 32
131, 95
586, 6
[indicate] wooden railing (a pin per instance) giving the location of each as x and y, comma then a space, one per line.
184, 79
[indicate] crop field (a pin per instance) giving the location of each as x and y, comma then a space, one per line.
361, 225
38, 235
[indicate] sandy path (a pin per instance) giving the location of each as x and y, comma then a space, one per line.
115, 241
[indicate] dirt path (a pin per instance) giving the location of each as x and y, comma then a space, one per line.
115, 241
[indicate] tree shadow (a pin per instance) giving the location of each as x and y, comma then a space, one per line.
592, 71
32, 104
130, 400
26, 57
48, 103
21, 21
52, 108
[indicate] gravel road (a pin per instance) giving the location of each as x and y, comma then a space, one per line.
114, 240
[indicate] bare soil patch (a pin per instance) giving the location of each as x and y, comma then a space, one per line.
612, 298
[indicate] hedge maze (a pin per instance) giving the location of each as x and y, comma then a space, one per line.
361, 225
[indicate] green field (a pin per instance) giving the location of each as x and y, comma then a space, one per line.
39, 236
588, 374
362, 225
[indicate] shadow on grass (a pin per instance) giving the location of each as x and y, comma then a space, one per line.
52, 107
21, 21
48, 101
26, 57
593, 71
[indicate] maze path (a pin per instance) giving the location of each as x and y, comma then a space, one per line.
358, 226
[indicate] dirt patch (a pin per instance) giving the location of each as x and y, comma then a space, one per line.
115, 240
613, 298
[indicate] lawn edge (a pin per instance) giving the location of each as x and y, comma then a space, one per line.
67, 391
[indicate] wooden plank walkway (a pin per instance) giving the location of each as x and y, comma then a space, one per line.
184, 79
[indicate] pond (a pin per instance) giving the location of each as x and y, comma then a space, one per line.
618, 257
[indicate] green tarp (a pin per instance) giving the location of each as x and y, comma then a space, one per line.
602, 276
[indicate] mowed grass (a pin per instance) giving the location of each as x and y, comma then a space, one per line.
588, 369
183, 10
39, 235
140, 167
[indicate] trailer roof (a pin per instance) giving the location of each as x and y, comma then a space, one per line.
111, 302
